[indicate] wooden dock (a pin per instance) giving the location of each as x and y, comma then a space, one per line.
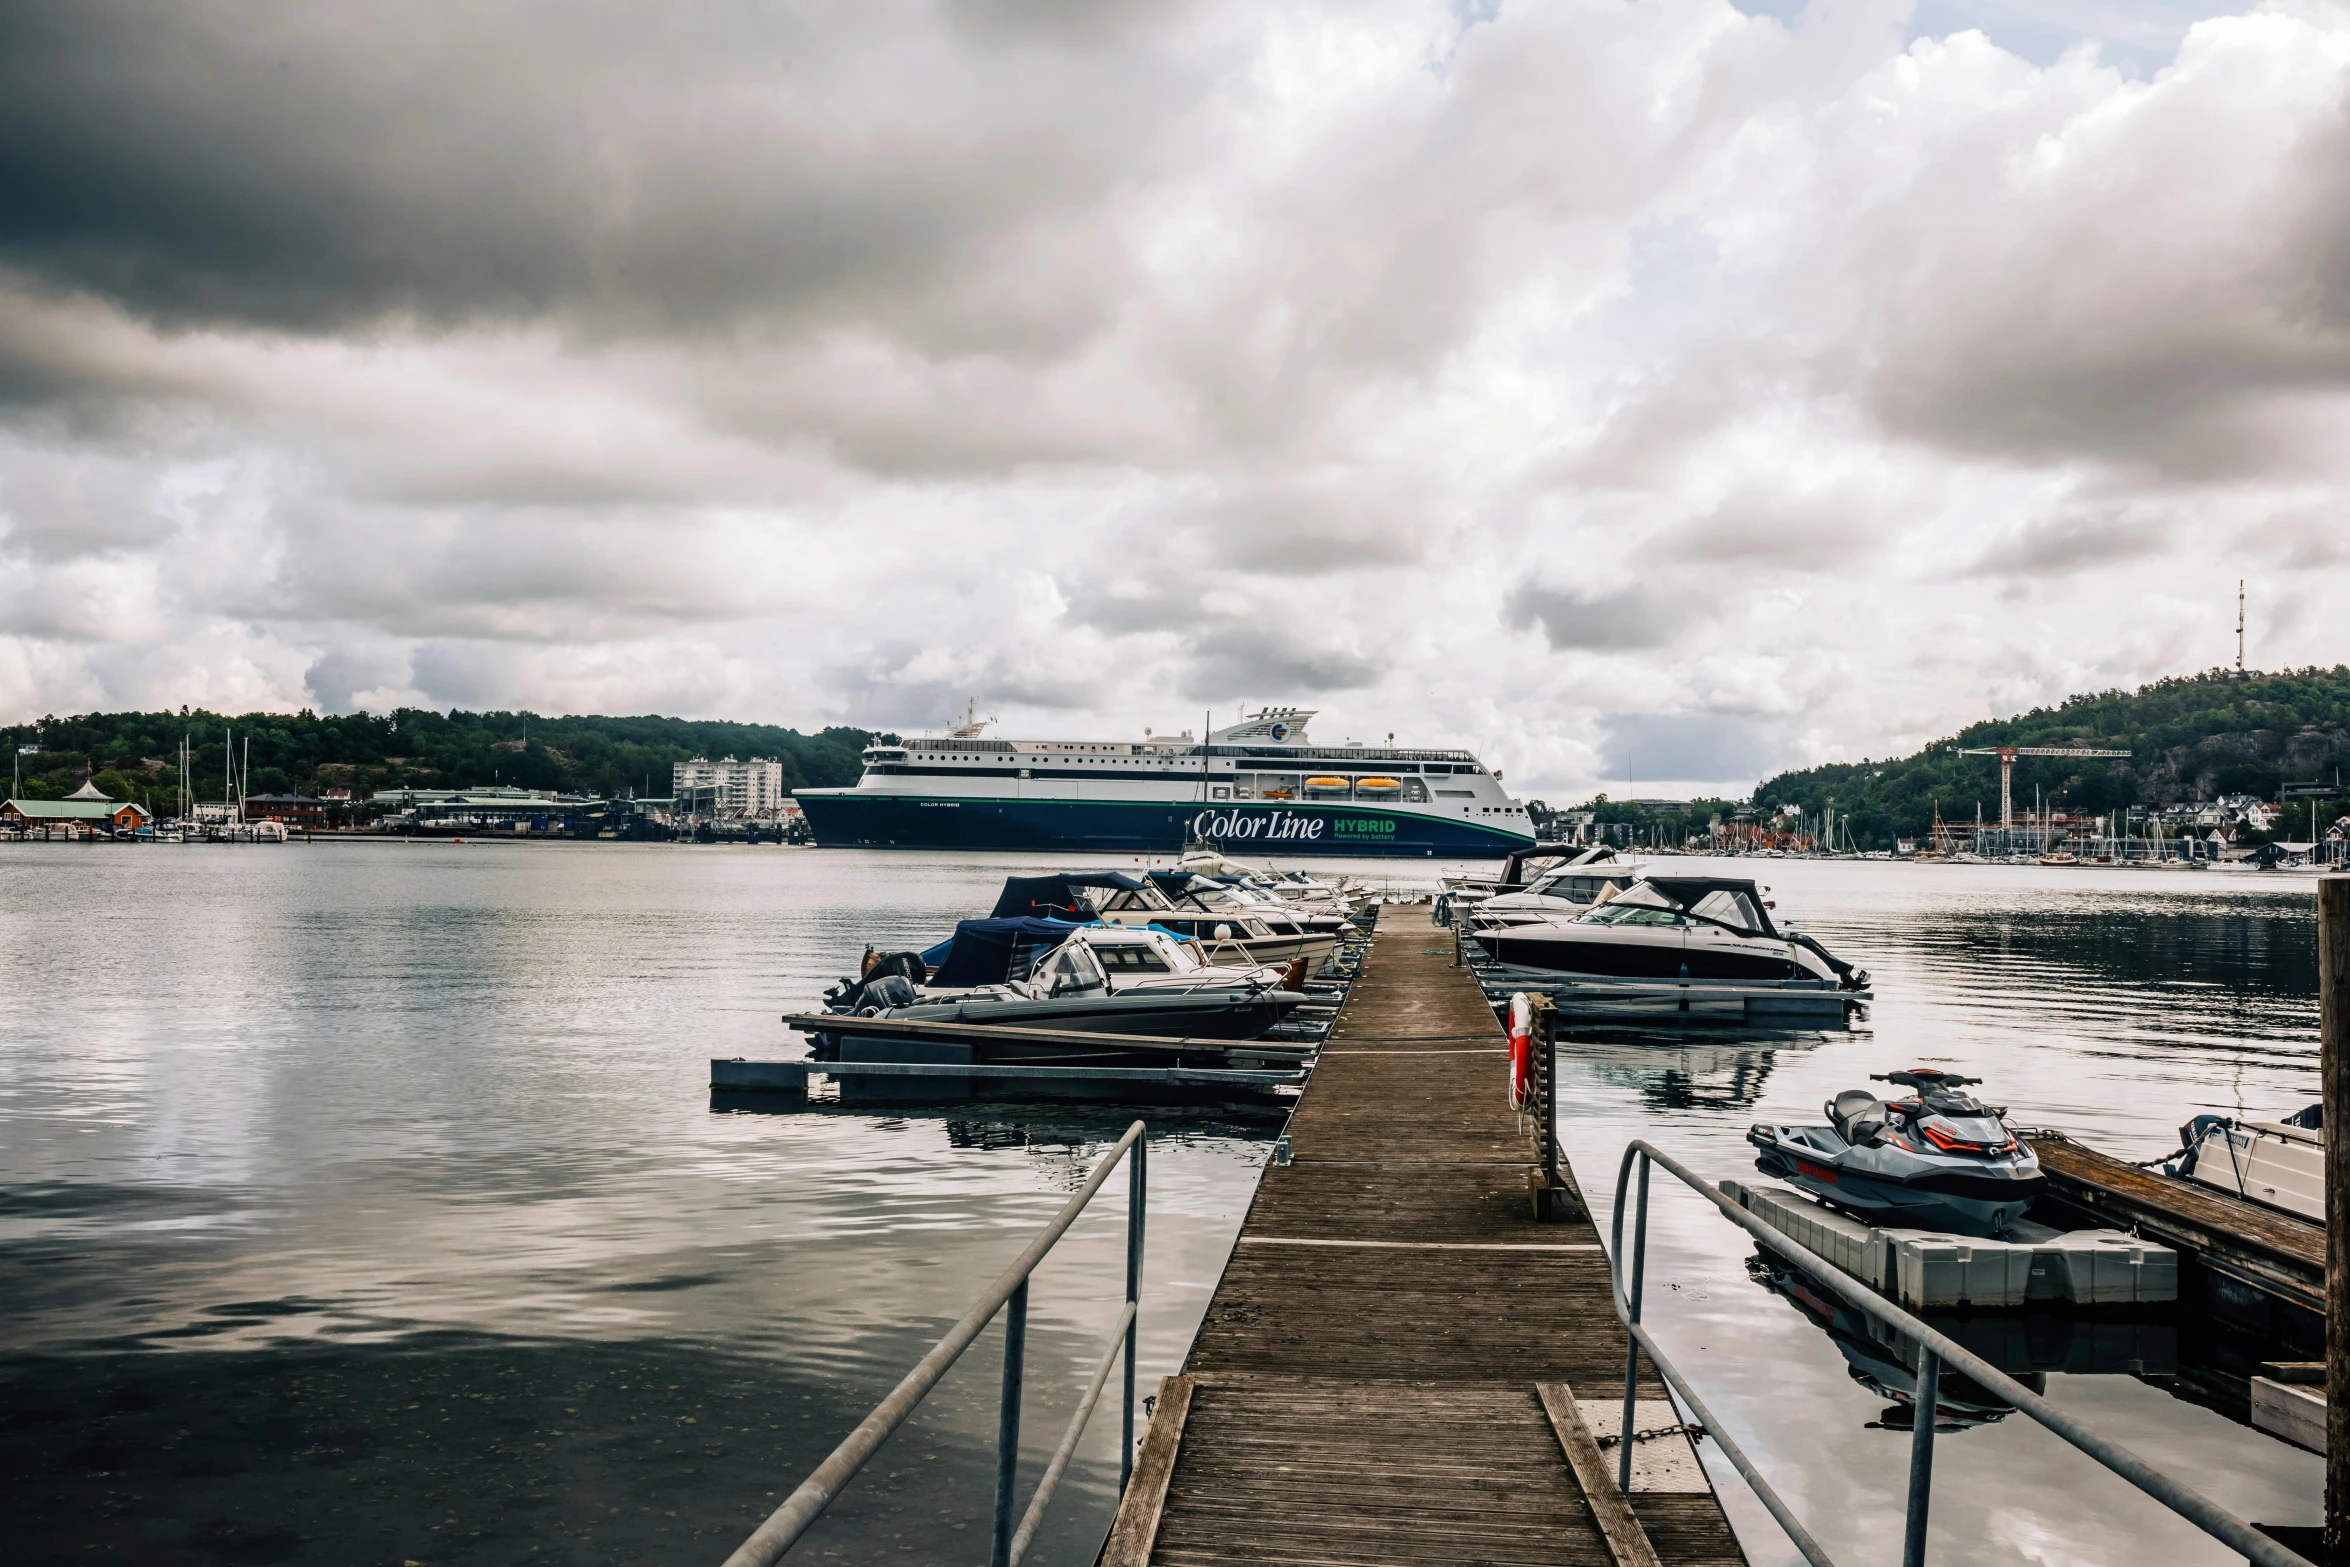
2275, 1253
1400, 1365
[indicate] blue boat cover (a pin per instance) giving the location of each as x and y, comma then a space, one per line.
1176, 883
1054, 897
988, 952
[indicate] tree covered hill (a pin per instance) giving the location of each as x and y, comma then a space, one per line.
136, 755
2195, 737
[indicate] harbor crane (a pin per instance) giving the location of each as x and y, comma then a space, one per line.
2007, 755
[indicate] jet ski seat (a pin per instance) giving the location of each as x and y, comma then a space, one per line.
1858, 1116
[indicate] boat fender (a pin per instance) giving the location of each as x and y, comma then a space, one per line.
1521, 1050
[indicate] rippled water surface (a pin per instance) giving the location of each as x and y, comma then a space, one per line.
365, 1202
2113, 1004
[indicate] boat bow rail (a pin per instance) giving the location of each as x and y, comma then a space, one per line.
1936, 1351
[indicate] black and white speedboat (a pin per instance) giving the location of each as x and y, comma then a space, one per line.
1937, 1160
1694, 928
2279, 1164
1095, 979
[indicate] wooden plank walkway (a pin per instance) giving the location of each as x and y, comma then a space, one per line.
1364, 1387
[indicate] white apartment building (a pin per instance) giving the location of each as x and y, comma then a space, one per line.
753, 788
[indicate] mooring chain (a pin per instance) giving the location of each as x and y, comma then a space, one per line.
1690, 1429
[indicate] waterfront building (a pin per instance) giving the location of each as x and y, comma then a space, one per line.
295, 810
84, 810
729, 787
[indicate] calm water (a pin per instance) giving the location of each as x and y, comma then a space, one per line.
365, 1202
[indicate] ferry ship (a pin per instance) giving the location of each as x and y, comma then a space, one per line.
1258, 785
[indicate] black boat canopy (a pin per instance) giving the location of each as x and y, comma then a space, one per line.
989, 952
1055, 897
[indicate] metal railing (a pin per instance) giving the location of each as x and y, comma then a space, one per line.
1009, 1295
1935, 1351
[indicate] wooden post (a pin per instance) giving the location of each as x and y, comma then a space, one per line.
2333, 1028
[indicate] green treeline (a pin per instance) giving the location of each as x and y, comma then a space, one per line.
2195, 737
136, 755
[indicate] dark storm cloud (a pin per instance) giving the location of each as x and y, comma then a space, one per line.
1607, 620
1685, 747
2074, 541
897, 687
1227, 661
702, 166
1803, 533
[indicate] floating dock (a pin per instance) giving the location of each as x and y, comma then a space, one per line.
1927, 1269
1400, 1364
2276, 1254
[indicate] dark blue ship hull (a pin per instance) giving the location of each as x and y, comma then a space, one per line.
858, 819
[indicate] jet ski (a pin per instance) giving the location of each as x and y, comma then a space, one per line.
1938, 1160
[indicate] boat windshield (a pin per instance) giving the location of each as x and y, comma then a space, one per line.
1622, 913
1143, 897
1181, 956
1730, 908
1072, 969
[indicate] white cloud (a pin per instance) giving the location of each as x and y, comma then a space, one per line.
1570, 380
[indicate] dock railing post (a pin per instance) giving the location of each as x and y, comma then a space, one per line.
1137, 1188
1631, 1344
1550, 1186
2333, 1029
1921, 1458
1007, 1430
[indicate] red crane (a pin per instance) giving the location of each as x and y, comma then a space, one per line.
2007, 755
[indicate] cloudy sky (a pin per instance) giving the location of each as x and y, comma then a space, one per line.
1652, 393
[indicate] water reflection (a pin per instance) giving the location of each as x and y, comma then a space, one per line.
2111, 1004
371, 1169
1672, 1071
2027, 1345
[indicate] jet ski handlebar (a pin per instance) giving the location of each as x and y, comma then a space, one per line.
1924, 1077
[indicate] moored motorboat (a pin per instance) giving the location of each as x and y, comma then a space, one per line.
1090, 979
2279, 1164
1228, 922
1676, 928
1937, 1160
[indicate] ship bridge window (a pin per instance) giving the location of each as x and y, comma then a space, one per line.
1131, 960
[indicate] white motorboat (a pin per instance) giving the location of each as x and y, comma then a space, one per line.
1561, 892
2278, 1164
1094, 979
